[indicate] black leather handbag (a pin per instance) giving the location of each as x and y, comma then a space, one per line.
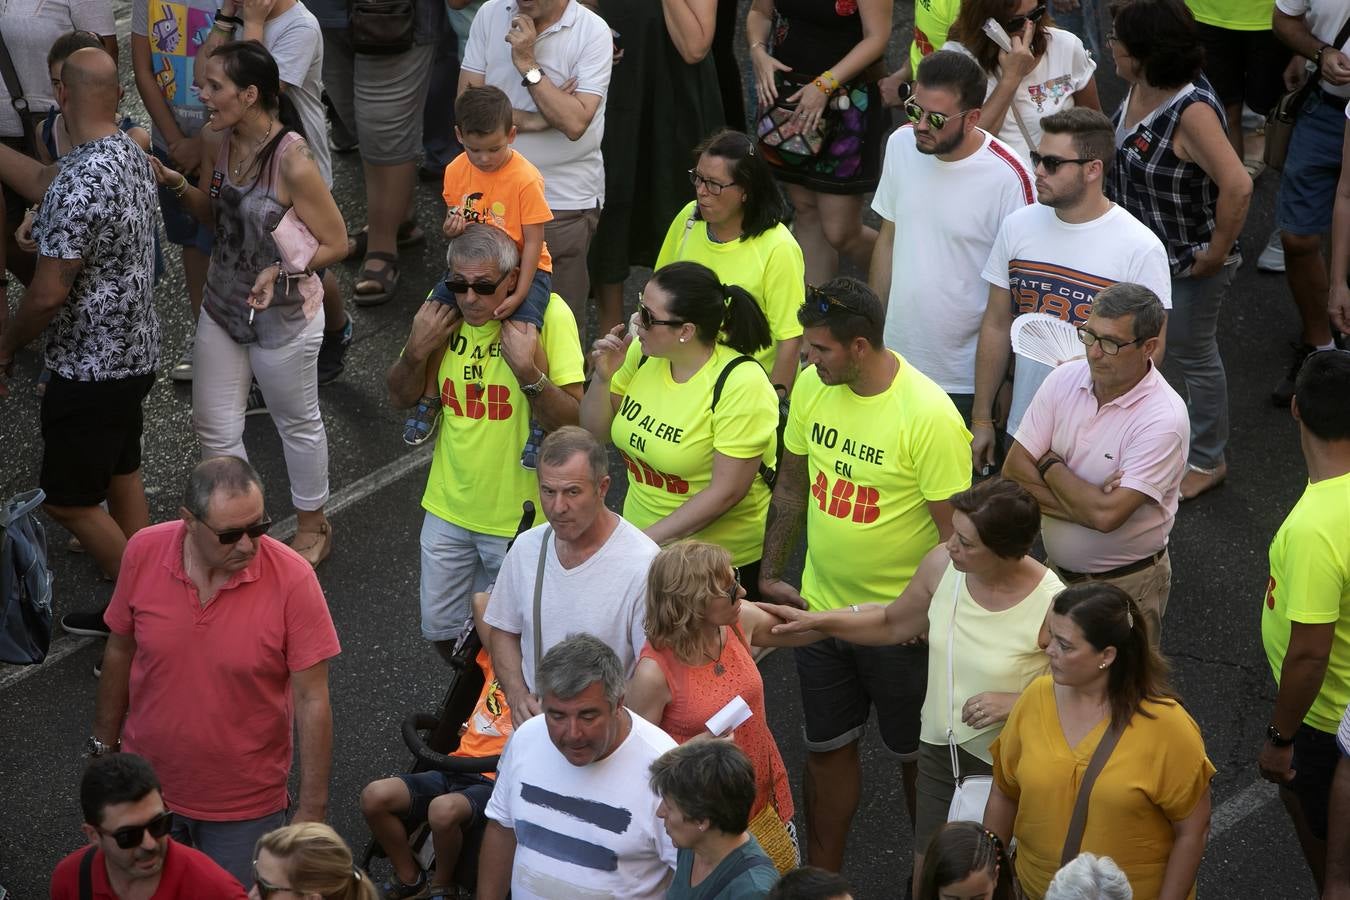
382, 27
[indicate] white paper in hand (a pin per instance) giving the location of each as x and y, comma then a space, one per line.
730, 716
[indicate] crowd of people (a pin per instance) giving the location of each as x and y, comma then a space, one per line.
982, 418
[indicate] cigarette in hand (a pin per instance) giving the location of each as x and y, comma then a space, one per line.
250, 315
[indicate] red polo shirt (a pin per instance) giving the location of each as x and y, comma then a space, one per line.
187, 873
210, 691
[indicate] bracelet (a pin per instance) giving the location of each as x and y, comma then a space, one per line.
1047, 465
826, 83
181, 187
981, 423
225, 29
233, 20
759, 44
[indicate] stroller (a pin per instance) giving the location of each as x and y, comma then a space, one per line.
430, 737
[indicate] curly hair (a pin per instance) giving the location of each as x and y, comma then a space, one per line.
683, 578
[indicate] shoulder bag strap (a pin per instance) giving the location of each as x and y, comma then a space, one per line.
16, 97
1073, 840
87, 874
951, 677
538, 600
731, 873
1021, 126
722, 376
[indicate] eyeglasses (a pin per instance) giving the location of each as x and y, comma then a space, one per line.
234, 535
734, 591
1017, 23
266, 888
712, 187
646, 321
1052, 163
457, 284
936, 119
825, 303
133, 835
1110, 346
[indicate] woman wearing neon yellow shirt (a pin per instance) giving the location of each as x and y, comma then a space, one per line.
694, 423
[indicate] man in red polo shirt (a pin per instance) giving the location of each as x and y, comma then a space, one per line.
220, 645
131, 854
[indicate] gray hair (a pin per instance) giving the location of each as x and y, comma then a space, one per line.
1090, 877
569, 440
227, 474
1124, 299
484, 243
576, 663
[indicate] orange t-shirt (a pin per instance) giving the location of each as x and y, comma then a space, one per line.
489, 726
510, 198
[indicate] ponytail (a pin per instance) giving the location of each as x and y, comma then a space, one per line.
699, 297
745, 327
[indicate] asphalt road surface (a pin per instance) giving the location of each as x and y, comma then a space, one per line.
386, 670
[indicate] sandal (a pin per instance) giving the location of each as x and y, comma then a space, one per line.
421, 424
1197, 480
409, 234
314, 546
385, 280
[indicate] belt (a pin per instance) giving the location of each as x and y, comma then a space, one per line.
1331, 99
1128, 569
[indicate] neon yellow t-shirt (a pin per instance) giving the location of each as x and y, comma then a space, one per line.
1310, 583
1235, 15
874, 463
666, 437
932, 20
476, 479
769, 266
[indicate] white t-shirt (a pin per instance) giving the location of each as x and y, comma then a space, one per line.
1324, 19
585, 832
1051, 266
296, 42
946, 217
1064, 69
605, 596
580, 46
30, 28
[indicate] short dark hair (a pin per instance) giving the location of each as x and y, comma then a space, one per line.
68, 43
112, 779
1125, 298
855, 312
951, 70
718, 312
764, 207
1094, 137
1162, 36
708, 780
1004, 514
809, 883
230, 474
483, 110
1322, 391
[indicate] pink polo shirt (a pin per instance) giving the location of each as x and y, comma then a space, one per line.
1144, 433
210, 692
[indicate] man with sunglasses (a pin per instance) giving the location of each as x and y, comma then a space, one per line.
219, 649
1103, 449
949, 185
130, 854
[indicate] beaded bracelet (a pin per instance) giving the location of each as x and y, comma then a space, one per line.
826, 83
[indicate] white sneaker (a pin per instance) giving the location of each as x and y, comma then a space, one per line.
182, 370
1272, 258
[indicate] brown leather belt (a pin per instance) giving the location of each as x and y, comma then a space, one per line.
1127, 569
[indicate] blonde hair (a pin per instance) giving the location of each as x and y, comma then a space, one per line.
318, 862
684, 577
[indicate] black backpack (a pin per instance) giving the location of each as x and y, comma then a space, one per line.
25, 582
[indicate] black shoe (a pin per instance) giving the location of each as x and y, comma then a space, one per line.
332, 351
88, 624
256, 404
1284, 391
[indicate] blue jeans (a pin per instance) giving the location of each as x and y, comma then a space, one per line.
1192, 343
229, 844
1086, 22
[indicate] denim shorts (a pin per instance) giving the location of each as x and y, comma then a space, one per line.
1312, 168
423, 787
841, 682
180, 227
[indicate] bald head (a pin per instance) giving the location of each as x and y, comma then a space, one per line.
89, 76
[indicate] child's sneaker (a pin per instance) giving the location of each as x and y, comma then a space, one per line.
529, 457
393, 889
421, 425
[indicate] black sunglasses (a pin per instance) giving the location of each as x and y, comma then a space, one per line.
735, 588
646, 321
234, 535
1052, 163
456, 284
266, 888
133, 835
937, 120
1017, 23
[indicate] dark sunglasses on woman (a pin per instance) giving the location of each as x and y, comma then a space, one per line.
1017, 23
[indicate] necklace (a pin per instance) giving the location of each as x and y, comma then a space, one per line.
248, 158
718, 669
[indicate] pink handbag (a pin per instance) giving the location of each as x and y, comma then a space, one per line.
296, 246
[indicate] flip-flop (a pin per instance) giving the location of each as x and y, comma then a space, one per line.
409, 234
386, 279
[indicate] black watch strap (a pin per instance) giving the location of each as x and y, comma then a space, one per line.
1276, 739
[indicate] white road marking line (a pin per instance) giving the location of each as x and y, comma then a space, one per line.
358, 490
1241, 805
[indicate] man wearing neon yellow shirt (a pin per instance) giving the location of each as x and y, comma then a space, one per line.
932, 20
1243, 58
490, 388
873, 449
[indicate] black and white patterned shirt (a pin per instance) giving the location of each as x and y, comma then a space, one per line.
100, 208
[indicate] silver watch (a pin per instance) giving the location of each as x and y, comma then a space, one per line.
98, 748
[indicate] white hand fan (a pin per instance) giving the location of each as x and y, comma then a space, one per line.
1046, 339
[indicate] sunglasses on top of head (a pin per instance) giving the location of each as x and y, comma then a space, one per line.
133, 835
1017, 23
826, 303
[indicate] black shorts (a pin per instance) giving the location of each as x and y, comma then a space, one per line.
1314, 765
1244, 66
91, 432
841, 682
423, 787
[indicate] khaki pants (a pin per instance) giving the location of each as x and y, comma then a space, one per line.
569, 241
1149, 587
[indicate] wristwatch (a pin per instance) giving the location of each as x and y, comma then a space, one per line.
534, 390
533, 76
1048, 465
1317, 57
98, 748
1276, 739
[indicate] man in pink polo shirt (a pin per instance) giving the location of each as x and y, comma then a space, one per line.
220, 644
1103, 449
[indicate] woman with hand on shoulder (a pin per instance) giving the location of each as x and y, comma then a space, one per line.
1047, 70
1149, 806
261, 317
694, 425
982, 603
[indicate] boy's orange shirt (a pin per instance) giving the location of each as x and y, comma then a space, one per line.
489, 726
510, 198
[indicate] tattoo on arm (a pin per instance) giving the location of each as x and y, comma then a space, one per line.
786, 518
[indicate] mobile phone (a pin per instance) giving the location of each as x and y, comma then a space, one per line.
995, 33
